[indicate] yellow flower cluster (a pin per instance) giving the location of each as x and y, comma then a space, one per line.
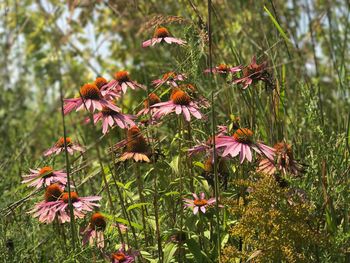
274, 225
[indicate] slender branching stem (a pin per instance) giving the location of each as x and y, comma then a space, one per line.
216, 178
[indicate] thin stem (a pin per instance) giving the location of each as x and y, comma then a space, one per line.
216, 178
142, 199
125, 213
71, 212
181, 191
155, 199
156, 215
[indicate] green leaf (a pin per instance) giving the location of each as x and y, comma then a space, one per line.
194, 248
254, 255
199, 164
169, 251
148, 257
137, 206
279, 28
175, 164
172, 193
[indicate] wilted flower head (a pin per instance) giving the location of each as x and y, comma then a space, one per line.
283, 163
136, 148
56, 204
90, 98
44, 177
255, 72
59, 147
241, 143
180, 102
162, 35
199, 203
170, 78
121, 82
93, 233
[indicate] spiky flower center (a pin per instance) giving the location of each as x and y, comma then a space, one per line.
53, 193
223, 67
180, 97
100, 82
135, 141
151, 100
46, 171
90, 91
98, 221
120, 256
161, 32
133, 132
60, 142
169, 76
73, 195
243, 135
200, 202
122, 76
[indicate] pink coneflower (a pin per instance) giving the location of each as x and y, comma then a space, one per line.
147, 103
123, 256
44, 177
223, 69
284, 162
208, 144
241, 143
56, 204
137, 147
199, 203
91, 99
121, 82
111, 117
180, 102
162, 35
255, 72
93, 233
59, 147
170, 79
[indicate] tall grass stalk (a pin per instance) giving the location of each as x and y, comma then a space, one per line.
216, 178
70, 205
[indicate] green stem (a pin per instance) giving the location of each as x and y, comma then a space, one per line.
125, 213
216, 179
71, 211
142, 200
